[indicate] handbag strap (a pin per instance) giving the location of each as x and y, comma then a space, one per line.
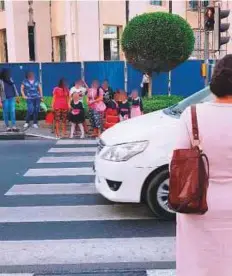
195, 129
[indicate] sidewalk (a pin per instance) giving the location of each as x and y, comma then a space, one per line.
44, 131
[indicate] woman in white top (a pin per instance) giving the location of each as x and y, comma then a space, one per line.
80, 88
145, 84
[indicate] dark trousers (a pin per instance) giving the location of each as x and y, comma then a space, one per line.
33, 107
145, 89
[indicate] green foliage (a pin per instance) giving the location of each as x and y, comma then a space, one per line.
159, 102
21, 109
157, 42
152, 104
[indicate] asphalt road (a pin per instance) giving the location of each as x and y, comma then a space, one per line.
53, 221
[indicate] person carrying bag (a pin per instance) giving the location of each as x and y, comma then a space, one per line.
204, 234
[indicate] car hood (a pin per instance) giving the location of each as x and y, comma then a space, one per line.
139, 128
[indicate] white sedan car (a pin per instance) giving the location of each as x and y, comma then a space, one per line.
131, 163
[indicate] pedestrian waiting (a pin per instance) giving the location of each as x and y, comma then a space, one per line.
82, 88
108, 92
76, 114
32, 92
204, 241
111, 114
124, 108
60, 107
96, 107
145, 85
9, 97
136, 104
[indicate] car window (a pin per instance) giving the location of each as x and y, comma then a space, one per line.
201, 96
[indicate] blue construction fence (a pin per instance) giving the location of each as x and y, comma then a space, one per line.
186, 79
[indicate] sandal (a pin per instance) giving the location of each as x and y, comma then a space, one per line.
64, 135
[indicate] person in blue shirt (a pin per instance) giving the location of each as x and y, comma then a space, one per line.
8, 94
32, 92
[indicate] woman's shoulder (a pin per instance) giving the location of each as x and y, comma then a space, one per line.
56, 89
101, 90
73, 89
201, 108
36, 83
91, 89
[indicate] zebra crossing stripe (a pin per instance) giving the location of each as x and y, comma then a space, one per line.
73, 150
59, 172
82, 251
66, 159
16, 274
52, 189
74, 213
77, 142
161, 272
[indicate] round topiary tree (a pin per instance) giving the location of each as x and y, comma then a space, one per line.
157, 42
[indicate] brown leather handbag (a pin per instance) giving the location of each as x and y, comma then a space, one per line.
189, 176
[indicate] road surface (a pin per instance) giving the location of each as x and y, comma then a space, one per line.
53, 221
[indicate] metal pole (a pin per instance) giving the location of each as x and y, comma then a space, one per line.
170, 73
52, 42
206, 57
127, 11
170, 6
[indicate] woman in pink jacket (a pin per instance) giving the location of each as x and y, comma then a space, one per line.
204, 242
96, 107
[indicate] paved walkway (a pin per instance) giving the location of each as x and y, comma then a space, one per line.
44, 130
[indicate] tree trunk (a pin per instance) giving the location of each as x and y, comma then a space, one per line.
150, 87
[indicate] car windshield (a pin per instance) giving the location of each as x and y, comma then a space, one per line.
201, 96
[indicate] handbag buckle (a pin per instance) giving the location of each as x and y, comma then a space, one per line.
197, 143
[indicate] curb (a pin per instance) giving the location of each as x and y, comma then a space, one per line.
41, 136
12, 136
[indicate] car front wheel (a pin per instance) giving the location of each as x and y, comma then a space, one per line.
157, 195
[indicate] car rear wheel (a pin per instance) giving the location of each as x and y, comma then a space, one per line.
157, 195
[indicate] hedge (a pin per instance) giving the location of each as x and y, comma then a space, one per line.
151, 104
159, 102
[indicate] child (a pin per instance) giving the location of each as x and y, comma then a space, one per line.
76, 115
124, 108
136, 104
81, 87
118, 96
111, 114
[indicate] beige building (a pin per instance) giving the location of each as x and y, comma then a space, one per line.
46, 31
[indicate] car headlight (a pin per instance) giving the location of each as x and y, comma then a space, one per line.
124, 152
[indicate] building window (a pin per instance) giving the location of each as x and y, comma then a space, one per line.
3, 46
205, 3
2, 5
156, 3
193, 5
111, 43
62, 48
31, 42
197, 46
